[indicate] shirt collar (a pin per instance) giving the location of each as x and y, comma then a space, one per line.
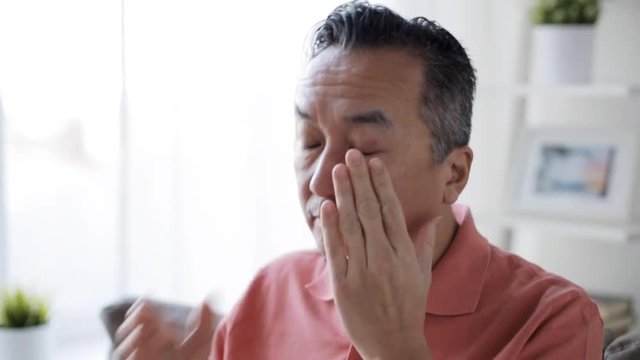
457, 279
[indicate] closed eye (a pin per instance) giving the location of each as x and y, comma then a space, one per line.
364, 152
369, 153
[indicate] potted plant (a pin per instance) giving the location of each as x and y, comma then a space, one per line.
25, 332
563, 40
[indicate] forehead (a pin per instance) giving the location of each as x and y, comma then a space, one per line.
336, 80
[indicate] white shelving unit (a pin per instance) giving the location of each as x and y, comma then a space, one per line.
596, 91
608, 232
621, 233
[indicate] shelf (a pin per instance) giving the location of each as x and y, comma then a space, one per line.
610, 232
570, 91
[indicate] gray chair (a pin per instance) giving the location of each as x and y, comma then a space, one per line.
626, 347
175, 315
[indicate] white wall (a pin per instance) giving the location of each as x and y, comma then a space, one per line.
3, 242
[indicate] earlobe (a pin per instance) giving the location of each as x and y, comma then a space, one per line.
459, 166
450, 195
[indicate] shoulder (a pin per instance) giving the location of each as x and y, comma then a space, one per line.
518, 276
552, 314
300, 266
541, 294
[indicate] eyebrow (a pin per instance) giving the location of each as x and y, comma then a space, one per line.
301, 114
373, 117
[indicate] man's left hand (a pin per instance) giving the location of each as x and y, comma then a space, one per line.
380, 276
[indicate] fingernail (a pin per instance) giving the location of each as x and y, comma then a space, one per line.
353, 156
139, 302
322, 206
376, 165
339, 172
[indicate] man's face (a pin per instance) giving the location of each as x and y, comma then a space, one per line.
368, 100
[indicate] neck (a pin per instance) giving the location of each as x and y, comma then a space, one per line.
447, 229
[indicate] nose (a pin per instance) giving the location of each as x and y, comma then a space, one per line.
322, 182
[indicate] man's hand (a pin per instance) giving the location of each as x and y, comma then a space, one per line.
380, 277
143, 335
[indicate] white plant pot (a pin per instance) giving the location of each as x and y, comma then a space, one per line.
562, 54
31, 343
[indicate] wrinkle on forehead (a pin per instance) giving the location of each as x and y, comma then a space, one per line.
387, 73
360, 61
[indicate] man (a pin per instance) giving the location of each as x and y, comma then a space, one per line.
383, 125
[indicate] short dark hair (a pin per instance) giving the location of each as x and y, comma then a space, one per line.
449, 78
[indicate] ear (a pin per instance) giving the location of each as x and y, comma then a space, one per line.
457, 168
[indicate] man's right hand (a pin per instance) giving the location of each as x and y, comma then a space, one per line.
144, 335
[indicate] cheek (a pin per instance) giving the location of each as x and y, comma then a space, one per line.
302, 176
304, 192
303, 180
419, 193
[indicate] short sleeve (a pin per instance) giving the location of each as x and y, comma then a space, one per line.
573, 331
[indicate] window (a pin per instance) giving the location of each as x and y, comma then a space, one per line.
181, 187
59, 85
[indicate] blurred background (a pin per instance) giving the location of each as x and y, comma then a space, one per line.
146, 146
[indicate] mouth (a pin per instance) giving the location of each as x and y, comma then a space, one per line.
313, 208
314, 216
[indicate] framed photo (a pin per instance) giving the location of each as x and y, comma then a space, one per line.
577, 173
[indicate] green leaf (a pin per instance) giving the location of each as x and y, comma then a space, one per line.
565, 12
19, 309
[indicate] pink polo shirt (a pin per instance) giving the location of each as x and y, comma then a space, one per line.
483, 303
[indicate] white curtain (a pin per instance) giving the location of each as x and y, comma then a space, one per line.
59, 83
210, 96
203, 137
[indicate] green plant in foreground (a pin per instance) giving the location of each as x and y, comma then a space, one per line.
19, 309
565, 12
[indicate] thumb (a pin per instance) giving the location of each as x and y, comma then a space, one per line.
201, 332
425, 244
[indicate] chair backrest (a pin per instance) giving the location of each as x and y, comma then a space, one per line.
113, 315
626, 347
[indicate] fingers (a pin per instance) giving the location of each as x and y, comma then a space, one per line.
135, 305
390, 207
347, 218
201, 332
139, 313
128, 346
367, 205
425, 244
144, 342
333, 245
140, 333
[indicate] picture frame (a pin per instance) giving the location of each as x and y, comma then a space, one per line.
577, 173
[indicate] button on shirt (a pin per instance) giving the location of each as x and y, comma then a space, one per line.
483, 303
